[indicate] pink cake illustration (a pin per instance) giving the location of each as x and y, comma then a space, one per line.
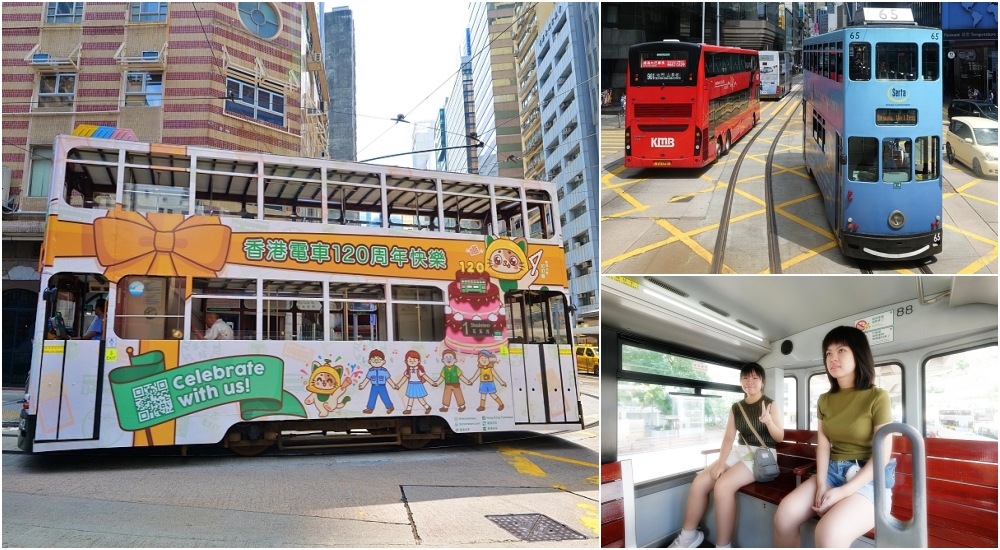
474, 318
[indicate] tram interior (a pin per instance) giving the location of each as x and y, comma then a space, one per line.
675, 346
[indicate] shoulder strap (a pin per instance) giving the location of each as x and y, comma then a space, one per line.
761, 441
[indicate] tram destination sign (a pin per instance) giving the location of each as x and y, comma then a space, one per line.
895, 117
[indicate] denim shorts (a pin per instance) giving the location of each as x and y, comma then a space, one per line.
836, 473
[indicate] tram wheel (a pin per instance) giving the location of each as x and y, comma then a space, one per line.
977, 168
950, 154
414, 444
250, 450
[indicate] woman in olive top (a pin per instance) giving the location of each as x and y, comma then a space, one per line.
842, 492
726, 475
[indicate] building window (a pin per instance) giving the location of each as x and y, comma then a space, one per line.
41, 171
260, 18
254, 102
148, 11
56, 90
144, 89
64, 12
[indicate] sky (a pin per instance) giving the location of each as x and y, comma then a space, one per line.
403, 52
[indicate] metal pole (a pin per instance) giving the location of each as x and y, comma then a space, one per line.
718, 18
703, 41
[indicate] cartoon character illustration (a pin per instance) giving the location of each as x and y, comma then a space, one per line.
416, 375
452, 377
507, 260
327, 383
378, 376
487, 362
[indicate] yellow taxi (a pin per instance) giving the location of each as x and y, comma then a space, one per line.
587, 359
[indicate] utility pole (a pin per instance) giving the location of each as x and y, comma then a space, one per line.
718, 19
702, 22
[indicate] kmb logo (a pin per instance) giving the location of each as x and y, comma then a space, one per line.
662, 142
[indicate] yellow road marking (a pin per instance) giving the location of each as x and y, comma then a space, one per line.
970, 234
968, 185
808, 254
510, 451
987, 201
590, 519
805, 223
522, 464
691, 243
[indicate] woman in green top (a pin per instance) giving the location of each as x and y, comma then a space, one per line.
734, 468
842, 492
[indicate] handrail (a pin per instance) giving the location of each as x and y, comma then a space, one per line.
889, 531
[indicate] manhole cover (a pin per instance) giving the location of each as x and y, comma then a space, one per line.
535, 527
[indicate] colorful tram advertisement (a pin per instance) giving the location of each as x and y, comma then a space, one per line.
871, 112
687, 103
198, 296
775, 74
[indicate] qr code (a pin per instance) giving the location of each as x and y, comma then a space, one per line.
152, 400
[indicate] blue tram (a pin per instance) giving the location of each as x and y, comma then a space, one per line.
872, 97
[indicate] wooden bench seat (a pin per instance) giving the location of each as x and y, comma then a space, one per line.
961, 485
617, 505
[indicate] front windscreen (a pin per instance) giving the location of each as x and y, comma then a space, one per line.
664, 68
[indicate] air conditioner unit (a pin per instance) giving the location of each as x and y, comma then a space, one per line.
633, 303
40, 58
150, 56
316, 57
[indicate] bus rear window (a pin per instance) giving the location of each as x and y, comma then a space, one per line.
895, 61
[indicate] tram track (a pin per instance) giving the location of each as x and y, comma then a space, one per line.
774, 258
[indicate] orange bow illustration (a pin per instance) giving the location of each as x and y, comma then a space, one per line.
129, 243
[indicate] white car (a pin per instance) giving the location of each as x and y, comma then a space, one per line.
973, 142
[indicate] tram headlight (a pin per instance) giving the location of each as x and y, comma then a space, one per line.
896, 219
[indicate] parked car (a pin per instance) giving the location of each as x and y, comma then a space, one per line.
587, 359
972, 107
973, 142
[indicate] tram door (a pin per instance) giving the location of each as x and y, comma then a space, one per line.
839, 161
68, 382
540, 355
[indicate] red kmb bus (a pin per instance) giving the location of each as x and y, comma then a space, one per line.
687, 103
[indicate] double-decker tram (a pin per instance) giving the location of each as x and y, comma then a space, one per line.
872, 134
197, 296
775, 74
687, 103
681, 352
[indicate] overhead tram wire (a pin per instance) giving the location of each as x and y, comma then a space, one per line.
450, 77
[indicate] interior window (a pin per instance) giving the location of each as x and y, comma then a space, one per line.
960, 393
790, 408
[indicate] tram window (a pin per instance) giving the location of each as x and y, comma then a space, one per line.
466, 207
896, 154
926, 157
838, 68
790, 408
150, 308
637, 359
91, 176
540, 222
930, 61
508, 200
293, 310
818, 385
861, 61
297, 196
413, 204
890, 378
862, 159
417, 313
353, 198
664, 429
69, 313
960, 394
896, 61
156, 183
357, 312
226, 188
233, 300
